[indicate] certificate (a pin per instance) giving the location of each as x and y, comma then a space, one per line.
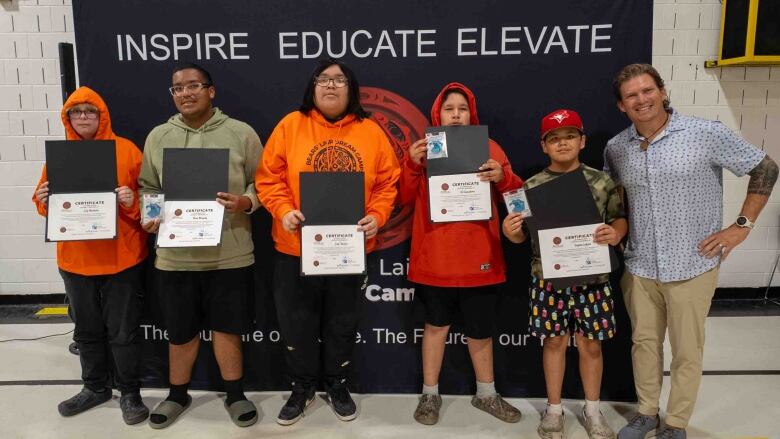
459, 197
191, 224
81, 216
332, 250
570, 251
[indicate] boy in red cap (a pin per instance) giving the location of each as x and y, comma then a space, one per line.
585, 310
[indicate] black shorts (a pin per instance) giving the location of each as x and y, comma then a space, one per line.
218, 300
476, 306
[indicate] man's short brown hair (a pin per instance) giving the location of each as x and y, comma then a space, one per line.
633, 70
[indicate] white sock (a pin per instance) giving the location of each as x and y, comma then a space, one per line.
554, 409
592, 408
486, 389
430, 390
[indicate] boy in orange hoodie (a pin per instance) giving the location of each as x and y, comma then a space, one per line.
330, 132
457, 265
104, 279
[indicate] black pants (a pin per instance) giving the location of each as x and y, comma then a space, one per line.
107, 311
316, 308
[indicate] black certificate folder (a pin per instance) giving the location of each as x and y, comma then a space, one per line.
74, 166
566, 201
467, 150
332, 198
194, 174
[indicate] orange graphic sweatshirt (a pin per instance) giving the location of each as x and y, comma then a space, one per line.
309, 142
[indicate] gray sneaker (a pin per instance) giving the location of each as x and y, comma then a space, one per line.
496, 406
597, 426
551, 426
672, 433
427, 411
639, 427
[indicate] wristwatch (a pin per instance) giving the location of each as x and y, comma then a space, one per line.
744, 222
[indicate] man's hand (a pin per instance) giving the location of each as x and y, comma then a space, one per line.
292, 220
234, 203
42, 193
512, 227
723, 242
125, 195
491, 171
369, 225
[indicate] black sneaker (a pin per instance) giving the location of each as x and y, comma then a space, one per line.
83, 401
133, 408
341, 402
293, 409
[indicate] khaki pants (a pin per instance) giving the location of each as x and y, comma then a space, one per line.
681, 307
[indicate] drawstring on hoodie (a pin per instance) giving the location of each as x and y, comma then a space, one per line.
330, 150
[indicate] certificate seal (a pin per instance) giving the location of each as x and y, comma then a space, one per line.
557, 266
63, 229
445, 186
66, 205
177, 212
316, 263
171, 236
557, 241
444, 211
318, 237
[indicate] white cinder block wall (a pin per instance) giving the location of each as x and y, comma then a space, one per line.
685, 35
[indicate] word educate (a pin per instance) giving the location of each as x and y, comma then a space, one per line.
421, 43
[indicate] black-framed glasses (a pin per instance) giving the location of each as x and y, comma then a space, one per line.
338, 82
88, 113
178, 90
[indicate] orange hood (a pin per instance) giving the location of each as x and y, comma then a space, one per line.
436, 108
85, 95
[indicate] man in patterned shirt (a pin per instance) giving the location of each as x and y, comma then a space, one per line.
585, 310
671, 168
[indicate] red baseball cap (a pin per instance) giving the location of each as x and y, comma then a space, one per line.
561, 119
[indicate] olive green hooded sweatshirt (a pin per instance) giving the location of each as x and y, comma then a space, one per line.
245, 148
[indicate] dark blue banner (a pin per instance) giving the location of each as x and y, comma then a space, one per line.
522, 60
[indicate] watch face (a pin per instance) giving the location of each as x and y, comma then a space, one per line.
741, 220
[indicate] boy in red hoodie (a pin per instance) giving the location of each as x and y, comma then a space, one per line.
457, 266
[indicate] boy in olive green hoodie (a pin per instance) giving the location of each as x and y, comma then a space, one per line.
205, 288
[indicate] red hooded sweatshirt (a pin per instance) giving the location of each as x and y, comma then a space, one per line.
459, 254
92, 258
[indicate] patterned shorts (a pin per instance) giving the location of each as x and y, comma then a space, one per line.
587, 309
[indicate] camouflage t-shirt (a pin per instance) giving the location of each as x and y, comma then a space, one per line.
605, 194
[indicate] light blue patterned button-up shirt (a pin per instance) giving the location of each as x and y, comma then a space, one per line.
675, 192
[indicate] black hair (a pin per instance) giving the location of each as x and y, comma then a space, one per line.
353, 102
454, 90
188, 65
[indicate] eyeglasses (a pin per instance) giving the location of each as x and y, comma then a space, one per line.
89, 113
338, 81
178, 90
